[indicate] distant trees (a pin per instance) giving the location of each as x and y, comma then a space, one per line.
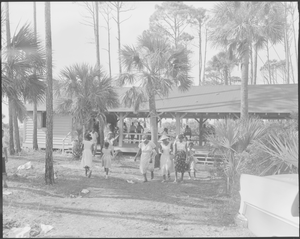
222, 65
197, 18
117, 9
170, 19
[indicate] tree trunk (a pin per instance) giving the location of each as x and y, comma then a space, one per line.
16, 132
11, 127
251, 65
108, 36
97, 34
34, 139
295, 44
286, 47
10, 104
292, 70
268, 60
49, 171
204, 60
153, 119
200, 53
255, 65
34, 136
244, 84
226, 76
119, 39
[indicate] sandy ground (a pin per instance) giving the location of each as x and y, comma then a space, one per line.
114, 207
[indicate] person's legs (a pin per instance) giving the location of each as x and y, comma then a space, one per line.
106, 173
132, 137
189, 175
164, 178
169, 176
152, 175
182, 174
175, 181
145, 177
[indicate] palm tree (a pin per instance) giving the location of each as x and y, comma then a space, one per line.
155, 68
83, 90
49, 171
20, 56
234, 25
9, 75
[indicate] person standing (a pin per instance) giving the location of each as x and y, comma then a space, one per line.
132, 130
87, 155
147, 152
139, 131
166, 163
165, 132
94, 135
4, 161
180, 157
191, 160
106, 158
188, 131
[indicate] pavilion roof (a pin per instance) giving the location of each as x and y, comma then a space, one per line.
267, 101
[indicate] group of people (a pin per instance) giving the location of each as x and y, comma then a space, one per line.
138, 129
175, 157
89, 145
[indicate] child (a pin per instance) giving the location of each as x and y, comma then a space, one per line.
94, 135
191, 160
106, 158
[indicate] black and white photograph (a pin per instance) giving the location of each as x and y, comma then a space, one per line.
147, 119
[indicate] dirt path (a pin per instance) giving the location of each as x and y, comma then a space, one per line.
113, 207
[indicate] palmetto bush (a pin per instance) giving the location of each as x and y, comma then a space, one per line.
277, 152
233, 139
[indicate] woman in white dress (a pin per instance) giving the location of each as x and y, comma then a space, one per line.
87, 155
166, 163
147, 152
94, 135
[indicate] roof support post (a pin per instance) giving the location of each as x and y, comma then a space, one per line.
200, 131
121, 119
177, 117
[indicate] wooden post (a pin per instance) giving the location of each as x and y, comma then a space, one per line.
200, 131
177, 117
121, 120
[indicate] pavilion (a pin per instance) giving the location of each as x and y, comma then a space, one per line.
272, 102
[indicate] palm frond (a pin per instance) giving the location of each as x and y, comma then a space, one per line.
126, 78
134, 97
19, 109
131, 59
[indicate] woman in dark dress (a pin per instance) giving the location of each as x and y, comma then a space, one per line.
180, 163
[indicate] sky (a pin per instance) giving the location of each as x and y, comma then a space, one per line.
73, 42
